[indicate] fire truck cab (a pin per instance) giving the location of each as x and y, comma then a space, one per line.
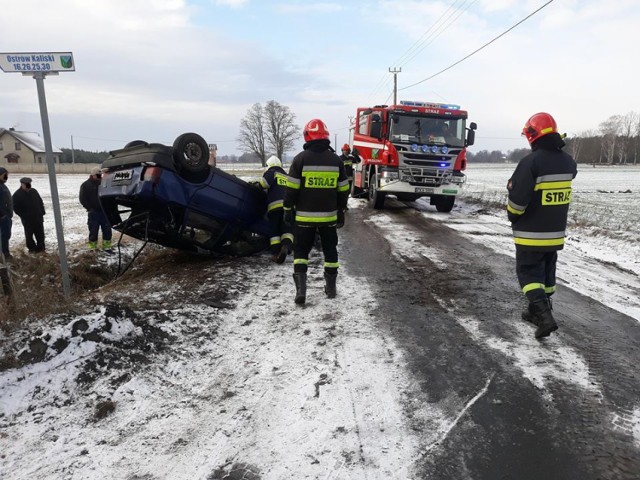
411, 150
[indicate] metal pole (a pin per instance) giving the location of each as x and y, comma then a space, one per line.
395, 84
73, 159
39, 77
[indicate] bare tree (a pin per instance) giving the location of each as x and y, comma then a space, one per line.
628, 125
610, 129
281, 131
576, 144
252, 135
268, 129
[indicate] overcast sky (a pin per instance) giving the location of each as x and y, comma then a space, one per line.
153, 69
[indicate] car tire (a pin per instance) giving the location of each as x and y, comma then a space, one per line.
191, 153
376, 197
135, 143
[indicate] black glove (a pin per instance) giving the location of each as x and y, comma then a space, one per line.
289, 218
340, 222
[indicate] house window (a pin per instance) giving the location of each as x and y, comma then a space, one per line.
18, 146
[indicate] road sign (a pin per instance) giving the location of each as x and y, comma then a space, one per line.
37, 62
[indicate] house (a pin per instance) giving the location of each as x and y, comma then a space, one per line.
24, 148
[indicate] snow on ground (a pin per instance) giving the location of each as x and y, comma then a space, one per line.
299, 411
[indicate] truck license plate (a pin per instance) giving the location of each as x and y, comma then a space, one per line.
122, 177
424, 190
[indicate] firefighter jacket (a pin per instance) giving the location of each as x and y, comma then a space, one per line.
28, 205
317, 186
347, 160
274, 182
539, 197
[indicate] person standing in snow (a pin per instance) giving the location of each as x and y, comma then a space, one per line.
538, 205
97, 220
317, 190
274, 182
6, 212
28, 205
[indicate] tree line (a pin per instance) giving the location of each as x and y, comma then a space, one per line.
616, 141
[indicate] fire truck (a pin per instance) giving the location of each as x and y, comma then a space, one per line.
410, 150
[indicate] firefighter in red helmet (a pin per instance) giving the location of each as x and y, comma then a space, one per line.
314, 202
347, 160
538, 205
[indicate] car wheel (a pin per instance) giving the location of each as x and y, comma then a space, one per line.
135, 143
191, 153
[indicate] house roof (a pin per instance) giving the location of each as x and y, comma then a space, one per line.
31, 139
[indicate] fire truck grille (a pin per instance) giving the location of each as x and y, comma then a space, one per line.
429, 170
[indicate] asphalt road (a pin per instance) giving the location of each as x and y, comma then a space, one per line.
560, 408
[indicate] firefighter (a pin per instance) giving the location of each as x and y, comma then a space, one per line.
315, 200
347, 160
539, 196
274, 182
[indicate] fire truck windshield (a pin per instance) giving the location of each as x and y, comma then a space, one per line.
423, 129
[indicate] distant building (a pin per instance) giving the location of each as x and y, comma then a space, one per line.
24, 147
213, 154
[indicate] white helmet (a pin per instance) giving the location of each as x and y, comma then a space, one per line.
274, 161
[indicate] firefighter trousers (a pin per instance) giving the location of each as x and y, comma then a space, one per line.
536, 273
303, 243
280, 232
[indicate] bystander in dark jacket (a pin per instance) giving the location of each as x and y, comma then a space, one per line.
6, 212
96, 218
28, 205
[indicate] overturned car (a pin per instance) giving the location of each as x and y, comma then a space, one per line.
171, 196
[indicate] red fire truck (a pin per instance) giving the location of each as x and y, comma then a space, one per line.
411, 150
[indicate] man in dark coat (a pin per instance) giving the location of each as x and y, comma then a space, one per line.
97, 220
317, 190
6, 212
538, 205
28, 205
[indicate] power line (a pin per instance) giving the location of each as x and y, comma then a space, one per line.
477, 50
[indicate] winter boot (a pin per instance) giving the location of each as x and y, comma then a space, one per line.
300, 280
330, 284
107, 246
546, 322
92, 245
281, 256
529, 316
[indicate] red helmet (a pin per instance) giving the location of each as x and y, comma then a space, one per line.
539, 125
315, 130
346, 148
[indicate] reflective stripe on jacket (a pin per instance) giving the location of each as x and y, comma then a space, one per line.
274, 182
317, 186
539, 198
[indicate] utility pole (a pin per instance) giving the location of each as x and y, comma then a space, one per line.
395, 83
73, 159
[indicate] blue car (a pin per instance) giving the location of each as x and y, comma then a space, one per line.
171, 196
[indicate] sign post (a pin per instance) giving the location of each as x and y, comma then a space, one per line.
38, 66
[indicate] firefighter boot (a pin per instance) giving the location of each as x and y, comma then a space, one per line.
546, 322
330, 284
300, 280
281, 256
528, 314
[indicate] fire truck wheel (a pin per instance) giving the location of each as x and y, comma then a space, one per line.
356, 192
444, 203
376, 197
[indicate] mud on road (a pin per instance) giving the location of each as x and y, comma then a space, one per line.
520, 408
